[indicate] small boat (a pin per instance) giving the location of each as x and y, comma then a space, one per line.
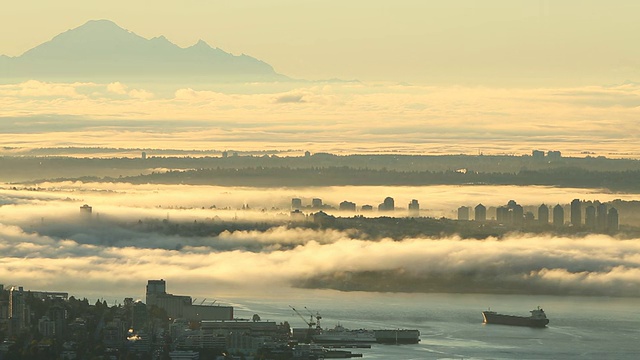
537, 318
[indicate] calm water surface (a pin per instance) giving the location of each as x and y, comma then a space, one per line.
451, 324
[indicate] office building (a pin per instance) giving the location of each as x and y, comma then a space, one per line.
180, 306
296, 204
414, 208
590, 217
601, 217
480, 213
387, 205
558, 216
612, 220
576, 213
316, 203
463, 213
543, 214
347, 206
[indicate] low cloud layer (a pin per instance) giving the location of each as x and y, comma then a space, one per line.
336, 117
46, 244
592, 265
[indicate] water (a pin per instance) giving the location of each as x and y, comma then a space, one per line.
451, 324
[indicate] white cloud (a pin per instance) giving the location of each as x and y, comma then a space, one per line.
117, 88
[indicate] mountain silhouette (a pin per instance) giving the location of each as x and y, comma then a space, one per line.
101, 50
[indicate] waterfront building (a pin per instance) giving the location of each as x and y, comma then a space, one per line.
558, 216
180, 306
480, 213
366, 208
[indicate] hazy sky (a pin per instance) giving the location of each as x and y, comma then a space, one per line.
497, 76
503, 42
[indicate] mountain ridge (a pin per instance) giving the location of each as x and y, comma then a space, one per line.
102, 50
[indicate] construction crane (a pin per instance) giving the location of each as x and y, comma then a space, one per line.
317, 316
310, 323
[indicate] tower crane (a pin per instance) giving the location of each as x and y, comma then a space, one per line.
317, 316
310, 323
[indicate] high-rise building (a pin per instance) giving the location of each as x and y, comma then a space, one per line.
463, 213
558, 216
517, 215
612, 220
538, 154
543, 214
414, 208
502, 215
156, 287
601, 217
296, 204
590, 217
347, 206
316, 203
480, 213
576, 213
555, 155
387, 205
19, 313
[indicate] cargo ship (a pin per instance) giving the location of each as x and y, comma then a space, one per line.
537, 319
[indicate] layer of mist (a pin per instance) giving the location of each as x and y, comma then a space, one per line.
47, 244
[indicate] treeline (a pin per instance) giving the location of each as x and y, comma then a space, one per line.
342, 176
31, 168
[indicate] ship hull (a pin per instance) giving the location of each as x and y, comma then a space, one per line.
494, 318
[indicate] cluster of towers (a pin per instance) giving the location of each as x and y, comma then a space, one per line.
596, 215
388, 204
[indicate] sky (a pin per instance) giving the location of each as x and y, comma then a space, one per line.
434, 77
458, 42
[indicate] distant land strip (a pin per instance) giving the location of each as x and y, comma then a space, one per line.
621, 181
